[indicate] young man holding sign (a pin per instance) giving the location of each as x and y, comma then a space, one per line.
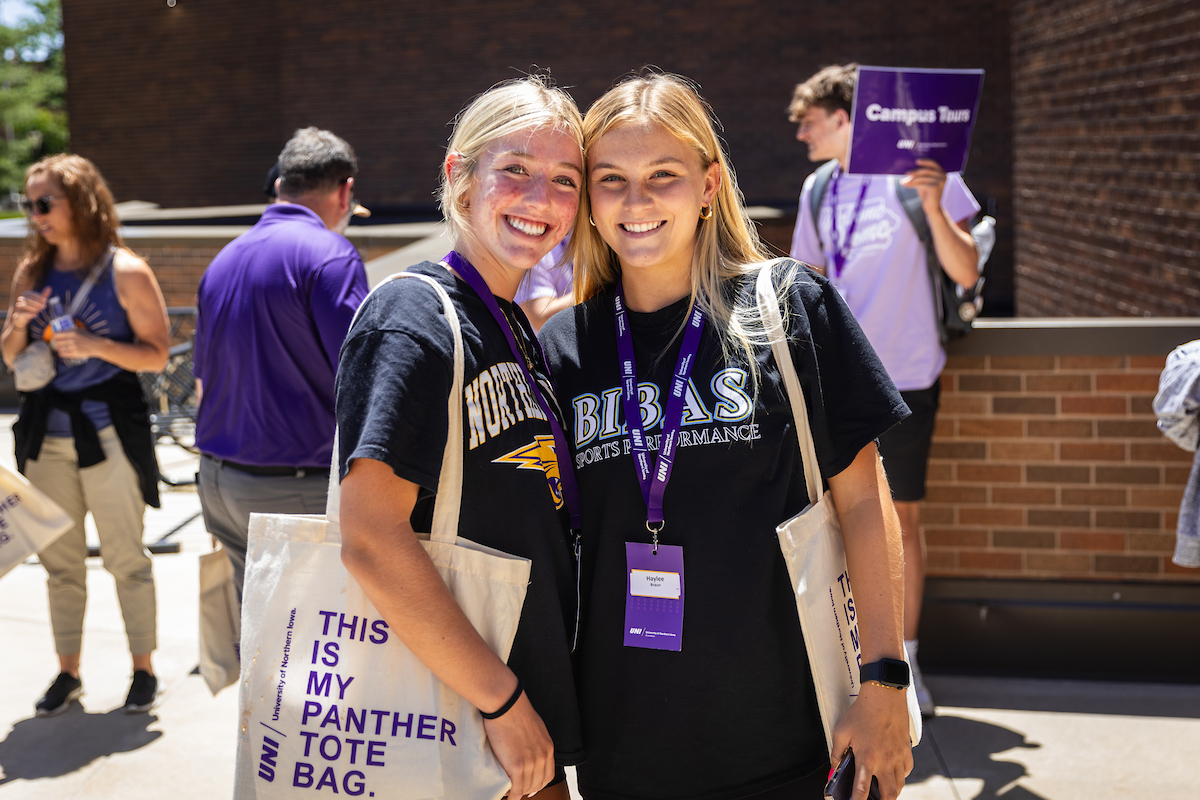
864, 242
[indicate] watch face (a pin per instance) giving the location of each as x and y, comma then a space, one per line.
893, 673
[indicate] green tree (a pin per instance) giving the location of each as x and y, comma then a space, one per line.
33, 92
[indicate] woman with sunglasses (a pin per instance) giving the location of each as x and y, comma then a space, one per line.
85, 439
680, 542
510, 191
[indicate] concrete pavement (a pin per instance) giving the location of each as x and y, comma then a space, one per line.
992, 738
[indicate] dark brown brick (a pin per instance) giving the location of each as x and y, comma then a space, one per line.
1094, 497
1126, 382
935, 515
1059, 384
1091, 363
1129, 519
1083, 451
1059, 518
1156, 498
989, 515
1130, 565
1024, 539
1074, 404
989, 473
1159, 452
963, 404
1141, 404
939, 473
1176, 476
1083, 540
958, 451
1154, 364
1021, 451
1123, 475
1048, 474
1126, 429
1024, 405
991, 428
989, 382
1152, 542
1024, 496
1061, 428
936, 560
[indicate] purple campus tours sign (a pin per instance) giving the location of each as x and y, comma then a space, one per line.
901, 115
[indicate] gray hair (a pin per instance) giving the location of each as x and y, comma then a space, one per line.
315, 160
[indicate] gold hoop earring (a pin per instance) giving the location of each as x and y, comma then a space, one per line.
591, 220
707, 208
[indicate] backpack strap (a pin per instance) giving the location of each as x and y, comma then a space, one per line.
820, 183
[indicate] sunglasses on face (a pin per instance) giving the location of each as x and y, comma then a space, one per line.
41, 205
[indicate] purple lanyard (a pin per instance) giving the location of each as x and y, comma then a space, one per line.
840, 252
654, 482
566, 469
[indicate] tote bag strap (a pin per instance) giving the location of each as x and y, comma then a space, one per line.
90, 281
449, 492
768, 305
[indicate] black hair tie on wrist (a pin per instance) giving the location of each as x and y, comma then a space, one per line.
504, 709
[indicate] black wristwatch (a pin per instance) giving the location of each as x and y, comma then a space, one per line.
887, 672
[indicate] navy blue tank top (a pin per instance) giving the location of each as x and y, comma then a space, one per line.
102, 315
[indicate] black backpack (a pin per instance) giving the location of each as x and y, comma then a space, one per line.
956, 307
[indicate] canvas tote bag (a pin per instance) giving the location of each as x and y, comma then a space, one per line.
29, 520
812, 545
220, 622
330, 697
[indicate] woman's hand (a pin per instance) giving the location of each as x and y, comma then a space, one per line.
27, 307
876, 726
79, 343
522, 745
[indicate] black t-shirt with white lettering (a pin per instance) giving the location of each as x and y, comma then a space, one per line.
734, 713
393, 383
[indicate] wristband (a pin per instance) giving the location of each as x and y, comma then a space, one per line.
504, 709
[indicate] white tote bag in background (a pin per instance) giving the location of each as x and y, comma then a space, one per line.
29, 520
331, 700
812, 545
220, 622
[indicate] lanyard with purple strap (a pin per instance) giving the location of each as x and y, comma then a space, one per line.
841, 251
566, 470
654, 598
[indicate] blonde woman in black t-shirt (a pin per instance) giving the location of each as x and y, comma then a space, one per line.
511, 183
722, 706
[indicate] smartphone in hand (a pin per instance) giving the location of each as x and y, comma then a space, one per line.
841, 780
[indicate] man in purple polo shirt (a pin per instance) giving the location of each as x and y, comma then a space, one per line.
272, 311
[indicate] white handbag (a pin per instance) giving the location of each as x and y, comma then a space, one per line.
29, 520
220, 622
330, 697
812, 545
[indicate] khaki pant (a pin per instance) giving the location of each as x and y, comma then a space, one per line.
111, 491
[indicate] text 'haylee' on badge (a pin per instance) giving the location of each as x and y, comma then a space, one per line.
644, 583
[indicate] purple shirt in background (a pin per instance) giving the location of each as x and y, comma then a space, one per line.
546, 279
273, 309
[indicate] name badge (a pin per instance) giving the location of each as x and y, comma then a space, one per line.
654, 596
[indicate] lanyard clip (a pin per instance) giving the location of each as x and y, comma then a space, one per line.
654, 533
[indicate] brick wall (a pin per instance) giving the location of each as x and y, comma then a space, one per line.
1106, 175
1050, 466
189, 105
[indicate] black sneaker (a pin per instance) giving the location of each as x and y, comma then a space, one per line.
141, 693
59, 696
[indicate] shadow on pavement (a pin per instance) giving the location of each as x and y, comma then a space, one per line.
964, 749
48, 748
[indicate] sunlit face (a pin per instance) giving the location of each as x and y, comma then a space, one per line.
827, 135
524, 198
647, 189
58, 225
